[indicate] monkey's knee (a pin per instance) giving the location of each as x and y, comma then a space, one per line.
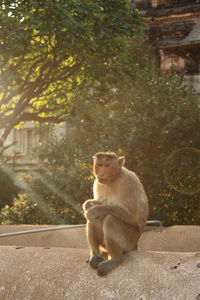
113, 237
119, 237
95, 260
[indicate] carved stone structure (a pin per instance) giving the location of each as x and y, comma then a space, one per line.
24, 140
169, 23
189, 47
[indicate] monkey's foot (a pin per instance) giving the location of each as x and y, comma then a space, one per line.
105, 267
95, 260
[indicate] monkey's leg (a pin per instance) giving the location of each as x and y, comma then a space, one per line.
112, 245
119, 238
95, 238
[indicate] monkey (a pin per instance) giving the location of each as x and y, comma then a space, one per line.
117, 214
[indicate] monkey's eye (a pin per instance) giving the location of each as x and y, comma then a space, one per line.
100, 165
107, 165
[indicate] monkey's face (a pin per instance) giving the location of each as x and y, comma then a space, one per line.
106, 170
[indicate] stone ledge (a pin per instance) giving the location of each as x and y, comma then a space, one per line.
175, 238
64, 238
60, 273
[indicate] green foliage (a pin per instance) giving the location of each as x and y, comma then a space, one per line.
182, 170
135, 111
147, 119
8, 188
22, 212
49, 48
27, 209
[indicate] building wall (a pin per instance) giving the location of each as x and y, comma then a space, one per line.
25, 140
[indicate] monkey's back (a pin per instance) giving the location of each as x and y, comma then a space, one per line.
134, 191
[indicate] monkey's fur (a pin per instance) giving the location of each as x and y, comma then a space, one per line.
117, 214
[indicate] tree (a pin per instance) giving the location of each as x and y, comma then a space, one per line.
138, 112
49, 48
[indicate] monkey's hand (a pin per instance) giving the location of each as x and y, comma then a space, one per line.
87, 204
92, 213
90, 203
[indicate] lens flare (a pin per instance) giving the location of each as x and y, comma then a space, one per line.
182, 170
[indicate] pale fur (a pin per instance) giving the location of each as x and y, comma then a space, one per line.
116, 215
127, 192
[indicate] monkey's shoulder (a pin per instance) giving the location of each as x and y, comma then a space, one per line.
133, 186
129, 176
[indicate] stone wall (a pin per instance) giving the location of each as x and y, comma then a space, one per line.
57, 271
169, 239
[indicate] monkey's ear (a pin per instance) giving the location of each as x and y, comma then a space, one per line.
121, 161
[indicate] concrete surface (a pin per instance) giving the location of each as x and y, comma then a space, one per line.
60, 273
53, 266
175, 238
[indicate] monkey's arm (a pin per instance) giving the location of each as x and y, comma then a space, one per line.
103, 210
90, 203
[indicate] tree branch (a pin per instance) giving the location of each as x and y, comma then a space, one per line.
7, 159
36, 118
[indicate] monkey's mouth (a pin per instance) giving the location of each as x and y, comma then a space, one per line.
103, 181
